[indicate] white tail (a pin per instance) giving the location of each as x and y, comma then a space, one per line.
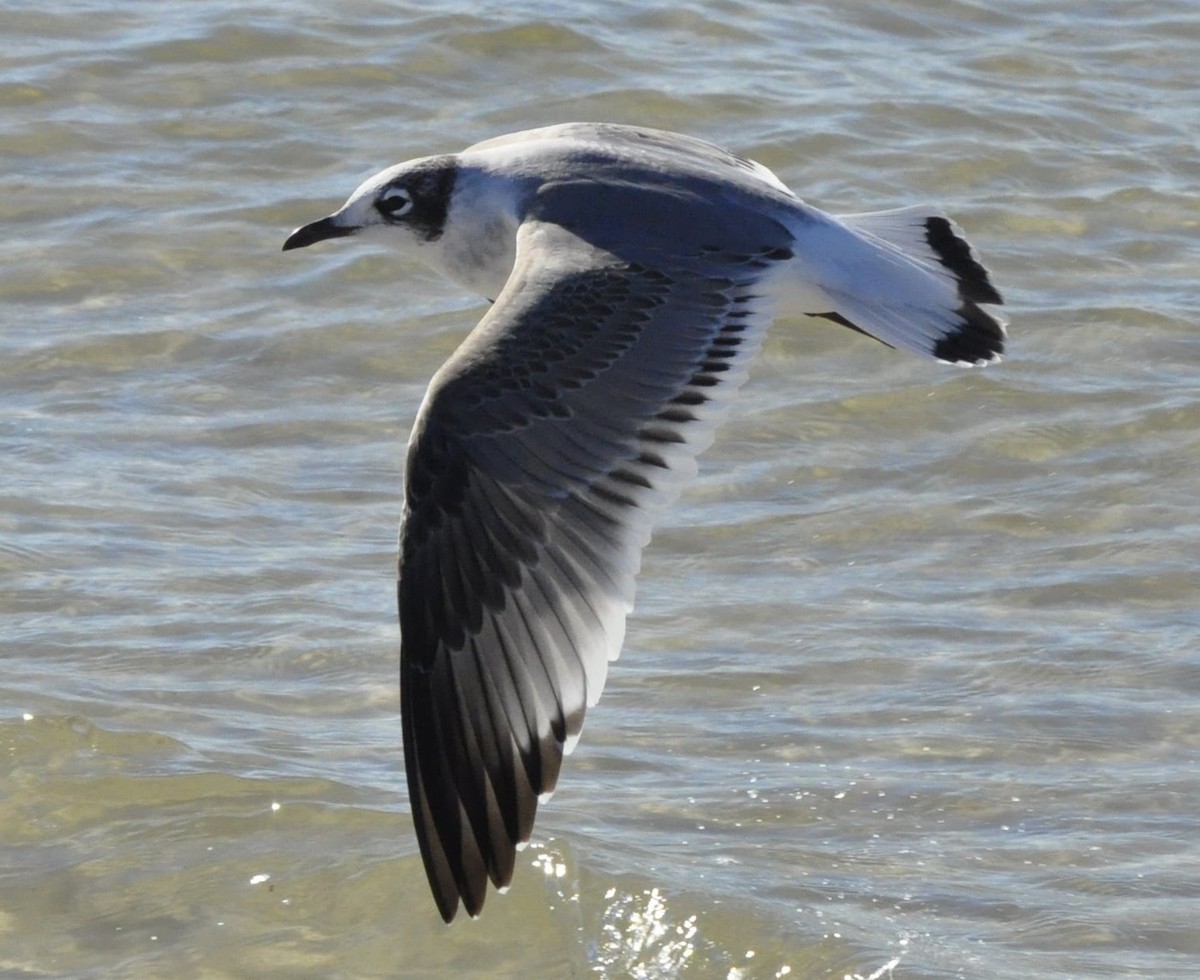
908, 278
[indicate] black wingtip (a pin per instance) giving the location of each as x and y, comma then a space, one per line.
980, 336
954, 252
978, 340
447, 907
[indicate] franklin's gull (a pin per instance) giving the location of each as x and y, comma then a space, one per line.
633, 273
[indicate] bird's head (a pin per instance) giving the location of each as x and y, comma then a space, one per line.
410, 201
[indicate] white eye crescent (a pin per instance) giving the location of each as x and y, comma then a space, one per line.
394, 202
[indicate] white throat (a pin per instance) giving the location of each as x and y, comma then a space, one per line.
478, 243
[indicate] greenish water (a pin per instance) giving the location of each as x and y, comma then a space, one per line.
911, 689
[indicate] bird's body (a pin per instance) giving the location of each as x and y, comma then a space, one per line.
633, 274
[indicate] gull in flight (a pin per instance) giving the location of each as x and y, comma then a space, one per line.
632, 274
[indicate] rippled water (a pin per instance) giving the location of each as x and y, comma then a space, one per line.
911, 690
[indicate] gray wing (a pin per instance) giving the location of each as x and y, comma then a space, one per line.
542, 454
640, 146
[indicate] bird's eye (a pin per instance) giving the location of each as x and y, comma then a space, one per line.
394, 202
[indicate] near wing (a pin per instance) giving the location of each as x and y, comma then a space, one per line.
542, 454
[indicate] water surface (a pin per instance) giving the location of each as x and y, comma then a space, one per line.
911, 689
